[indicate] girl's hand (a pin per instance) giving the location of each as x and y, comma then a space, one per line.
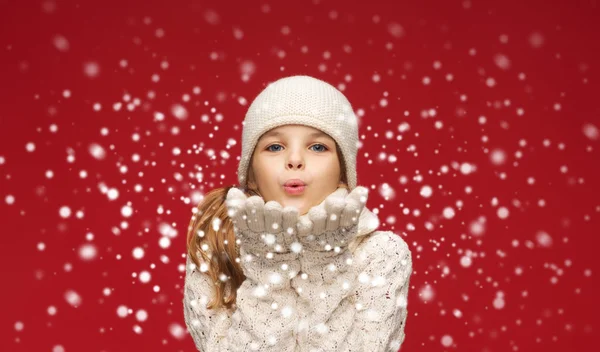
262, 228
267, 239
333, 223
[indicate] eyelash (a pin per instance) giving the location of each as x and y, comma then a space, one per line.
326, 149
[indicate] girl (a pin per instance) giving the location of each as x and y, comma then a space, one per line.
292, 260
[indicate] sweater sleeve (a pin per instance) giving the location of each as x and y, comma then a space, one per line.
354, 302
208, 328
264, 317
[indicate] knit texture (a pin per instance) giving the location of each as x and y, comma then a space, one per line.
301, 100
323, 281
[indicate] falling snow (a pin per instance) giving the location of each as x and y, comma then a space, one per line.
88, 252
478, 137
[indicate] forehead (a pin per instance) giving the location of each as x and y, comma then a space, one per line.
296, 130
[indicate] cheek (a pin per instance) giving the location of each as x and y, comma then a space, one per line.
329, 167
263, 168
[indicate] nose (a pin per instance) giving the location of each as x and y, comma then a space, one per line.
293, 164
295, 161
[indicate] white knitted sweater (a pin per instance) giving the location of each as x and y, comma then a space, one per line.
359, 306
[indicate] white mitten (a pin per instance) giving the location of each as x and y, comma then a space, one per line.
326, 231
332, 224
266, 235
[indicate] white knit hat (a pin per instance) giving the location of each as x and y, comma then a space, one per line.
301, 100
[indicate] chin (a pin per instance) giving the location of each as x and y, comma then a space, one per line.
298, 204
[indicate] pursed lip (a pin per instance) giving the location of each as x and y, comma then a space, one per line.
294, 182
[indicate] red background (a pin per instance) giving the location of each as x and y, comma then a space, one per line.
517, 295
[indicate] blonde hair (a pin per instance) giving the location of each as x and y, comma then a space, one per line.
221, 251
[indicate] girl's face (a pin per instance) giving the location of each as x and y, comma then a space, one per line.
295, 152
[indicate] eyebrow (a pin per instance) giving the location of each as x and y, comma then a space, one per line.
313, 134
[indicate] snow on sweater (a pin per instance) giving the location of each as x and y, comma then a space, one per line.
354, 299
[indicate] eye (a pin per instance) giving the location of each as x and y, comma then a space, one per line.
324, 147
273, 145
